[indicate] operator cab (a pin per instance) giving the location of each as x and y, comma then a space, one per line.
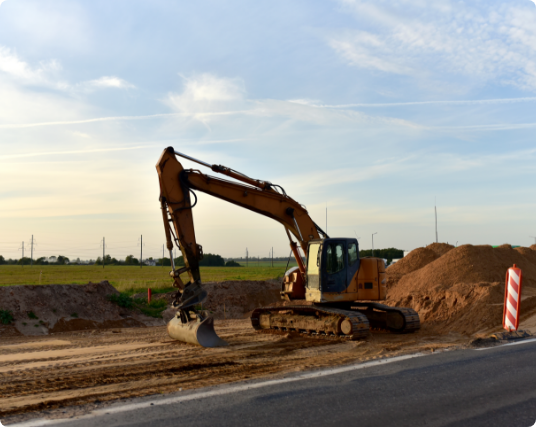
331, 264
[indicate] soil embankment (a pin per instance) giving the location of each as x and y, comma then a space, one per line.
41, 310
461, 290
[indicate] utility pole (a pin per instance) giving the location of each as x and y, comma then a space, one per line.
22, 259
534, 239
141, 250
103, 246
373, 243
162, 255
31, 256
247, 258
272, 256
435, 208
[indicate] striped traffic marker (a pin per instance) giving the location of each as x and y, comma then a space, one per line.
512, 298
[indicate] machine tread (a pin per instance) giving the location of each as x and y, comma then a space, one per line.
411, 322
359, 322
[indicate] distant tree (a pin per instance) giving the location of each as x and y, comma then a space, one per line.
62, 260
232, 263
387, 254
52, 259
24, 261
212, 260
2, 260
209, 260
163, 261
41, 261
130, 260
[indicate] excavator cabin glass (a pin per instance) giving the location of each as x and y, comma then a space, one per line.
331, 264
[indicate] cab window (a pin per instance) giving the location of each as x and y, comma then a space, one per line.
352, 253
334, 257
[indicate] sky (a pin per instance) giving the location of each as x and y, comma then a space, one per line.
377, 110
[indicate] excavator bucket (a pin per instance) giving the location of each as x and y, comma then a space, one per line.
198, 331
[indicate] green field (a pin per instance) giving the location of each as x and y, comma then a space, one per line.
128, 279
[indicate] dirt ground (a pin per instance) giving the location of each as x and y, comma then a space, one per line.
77, 368
458, 293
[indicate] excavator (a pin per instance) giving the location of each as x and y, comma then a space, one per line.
331, 294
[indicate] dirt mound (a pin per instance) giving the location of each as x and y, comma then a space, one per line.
533, 247
463, 289
440, 248
415, 260
235, 299
40, 310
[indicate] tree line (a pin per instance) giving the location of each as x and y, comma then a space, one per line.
209, 260
389, 254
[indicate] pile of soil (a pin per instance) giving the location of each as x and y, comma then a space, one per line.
44, 309
461, 290
415, 260
234, 299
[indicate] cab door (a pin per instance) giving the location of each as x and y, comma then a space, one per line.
313, 265
334, 266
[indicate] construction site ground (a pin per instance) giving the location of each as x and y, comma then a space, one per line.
60, 371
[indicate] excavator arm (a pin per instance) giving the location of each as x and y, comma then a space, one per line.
177, 198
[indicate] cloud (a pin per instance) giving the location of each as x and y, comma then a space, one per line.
417, 103
484, 41
12, 66
47, 74
208, 98
86, 151
2, 1
109, 82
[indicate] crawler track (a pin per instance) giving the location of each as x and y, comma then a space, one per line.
318, 321
399, 320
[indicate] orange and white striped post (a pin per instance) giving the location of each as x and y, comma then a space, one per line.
512, 298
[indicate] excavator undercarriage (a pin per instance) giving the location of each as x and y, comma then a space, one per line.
346, 321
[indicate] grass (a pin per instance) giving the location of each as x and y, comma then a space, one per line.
6, 317
153, 309
130, 280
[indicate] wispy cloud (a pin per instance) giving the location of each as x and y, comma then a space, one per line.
47, 74
110, 81
18, 70
87, 151
83, 121
486, 41
208, 97
417, 103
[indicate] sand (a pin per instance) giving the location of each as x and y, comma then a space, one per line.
463, 290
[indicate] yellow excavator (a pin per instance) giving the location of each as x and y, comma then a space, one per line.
331, 294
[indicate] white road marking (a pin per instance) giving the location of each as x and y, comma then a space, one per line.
510, 343
243, 387
221, 391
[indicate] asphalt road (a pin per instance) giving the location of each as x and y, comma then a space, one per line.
491, 387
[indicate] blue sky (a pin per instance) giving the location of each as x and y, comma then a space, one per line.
375, 108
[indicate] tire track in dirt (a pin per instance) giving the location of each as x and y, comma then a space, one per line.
89, 367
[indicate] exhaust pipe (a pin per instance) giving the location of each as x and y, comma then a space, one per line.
198, 331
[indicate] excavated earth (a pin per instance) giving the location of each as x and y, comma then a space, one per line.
107, 353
